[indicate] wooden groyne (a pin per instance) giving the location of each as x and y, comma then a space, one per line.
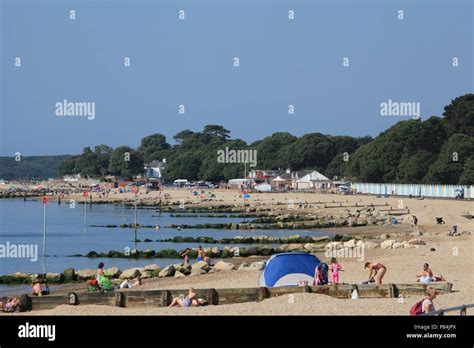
162, 298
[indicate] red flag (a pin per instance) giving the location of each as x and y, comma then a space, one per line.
85, 194
45, 200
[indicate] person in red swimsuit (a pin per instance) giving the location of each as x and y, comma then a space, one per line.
376, 271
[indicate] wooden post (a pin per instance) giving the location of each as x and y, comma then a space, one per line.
165, 298
72, 299
25, 303
263, 293
212, 296
119, 299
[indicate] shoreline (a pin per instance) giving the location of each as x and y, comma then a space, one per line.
402, 267
402, 260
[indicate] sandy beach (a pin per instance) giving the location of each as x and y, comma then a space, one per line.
402, 266
451, 257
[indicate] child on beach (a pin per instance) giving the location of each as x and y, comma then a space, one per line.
335, 268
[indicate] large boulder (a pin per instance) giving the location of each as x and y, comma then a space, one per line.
416, 241
370, 245
224, 266
184, 268
152, 267
54, 277
200, 265
69, 275
85, 274
292, 247
178, 274
113, 272
20, 275
387, 244
256, 266
197, 271
130, 273
145, 274
309, 246
398, 245
168, 271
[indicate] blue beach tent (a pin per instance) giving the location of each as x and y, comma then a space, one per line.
289, 269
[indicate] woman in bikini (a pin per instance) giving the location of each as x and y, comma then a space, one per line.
376, 271
186, 301
427, 276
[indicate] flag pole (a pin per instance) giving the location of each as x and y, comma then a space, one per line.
44, 233
85, 213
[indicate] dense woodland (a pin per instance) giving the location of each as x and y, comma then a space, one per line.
439, 149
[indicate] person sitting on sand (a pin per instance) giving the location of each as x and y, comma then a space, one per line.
453, 231
321, 274
9, 304
427, 276
126, 284
200, 254
102, 277
100, 272
37, 289
376, 271
186, 301
335, 268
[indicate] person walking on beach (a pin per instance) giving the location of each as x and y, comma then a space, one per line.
426, 305
185, 255
335, 268
414, 221
200, 254
376, 271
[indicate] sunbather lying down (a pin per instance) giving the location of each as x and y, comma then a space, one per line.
9, 304
189, 301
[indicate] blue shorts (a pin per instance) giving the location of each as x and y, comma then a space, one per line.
199, 258
187, 302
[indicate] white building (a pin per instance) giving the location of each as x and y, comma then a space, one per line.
309, 179
154, 169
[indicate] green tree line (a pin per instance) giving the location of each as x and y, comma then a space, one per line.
439, 149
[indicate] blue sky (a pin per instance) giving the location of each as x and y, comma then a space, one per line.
190, 62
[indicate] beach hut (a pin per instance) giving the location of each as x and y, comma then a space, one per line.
263, 187
289, 269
